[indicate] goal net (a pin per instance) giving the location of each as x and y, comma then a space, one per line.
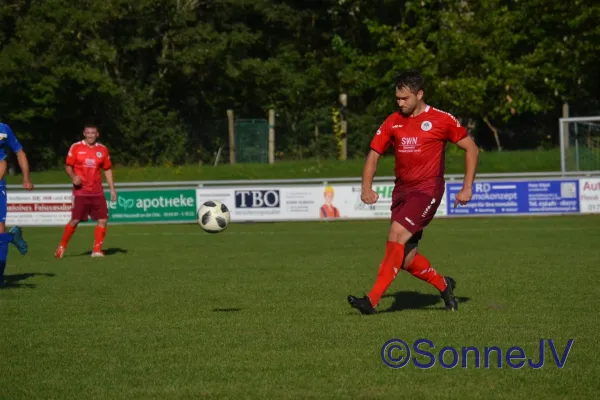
580, 144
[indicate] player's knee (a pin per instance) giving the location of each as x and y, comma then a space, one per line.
102, 223
399, 234
74, 222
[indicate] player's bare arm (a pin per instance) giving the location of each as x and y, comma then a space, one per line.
108, 174
24, 165
368, 195
471, 157
74, 177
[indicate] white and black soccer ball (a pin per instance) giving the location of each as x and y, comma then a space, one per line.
213, 216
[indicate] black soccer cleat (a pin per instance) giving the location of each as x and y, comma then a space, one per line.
448, 295
362, 304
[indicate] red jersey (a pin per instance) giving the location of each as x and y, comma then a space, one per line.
87, 161
419, 146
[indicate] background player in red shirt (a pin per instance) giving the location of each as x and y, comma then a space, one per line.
84, 162
418, 134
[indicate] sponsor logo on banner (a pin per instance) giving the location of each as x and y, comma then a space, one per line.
517, 197
257, 204
589, 195
257, 199
38, 208
153, 206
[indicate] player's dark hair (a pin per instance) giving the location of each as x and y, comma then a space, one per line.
411, 80
91, 125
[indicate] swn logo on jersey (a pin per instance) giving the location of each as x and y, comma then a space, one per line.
408, 145
257, 199
89, 162
409, 141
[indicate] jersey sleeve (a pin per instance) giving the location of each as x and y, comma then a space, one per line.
454, 130
106, 162
71, 156
11, 139
383, 138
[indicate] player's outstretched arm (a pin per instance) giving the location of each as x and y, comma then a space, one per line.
471, 157
368, 195
24, 165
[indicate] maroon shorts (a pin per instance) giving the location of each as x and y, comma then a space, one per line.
86, 206
415, 210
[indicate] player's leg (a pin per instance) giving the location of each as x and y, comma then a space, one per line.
392, 261
419, 212
398, 236
100, 214
68, 232
419, 266
79, 212
14, 236
99, 235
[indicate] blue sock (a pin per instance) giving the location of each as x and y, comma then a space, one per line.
5, 239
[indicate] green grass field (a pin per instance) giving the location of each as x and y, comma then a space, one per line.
506, 161
259, 311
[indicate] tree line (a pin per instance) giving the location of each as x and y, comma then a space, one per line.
158, 75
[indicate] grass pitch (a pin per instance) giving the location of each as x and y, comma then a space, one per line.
259, 311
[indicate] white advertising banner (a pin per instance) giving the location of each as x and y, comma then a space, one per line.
589, 195
302, 203
38, 208
264, 203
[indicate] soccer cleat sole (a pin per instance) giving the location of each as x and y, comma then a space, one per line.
18, 240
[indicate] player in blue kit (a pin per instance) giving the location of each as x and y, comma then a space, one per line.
14, 235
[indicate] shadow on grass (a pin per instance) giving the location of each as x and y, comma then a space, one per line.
412, 300
107, 252
14, 281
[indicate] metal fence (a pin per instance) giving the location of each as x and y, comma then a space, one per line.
250, 182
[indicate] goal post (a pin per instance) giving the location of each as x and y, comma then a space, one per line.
579, 143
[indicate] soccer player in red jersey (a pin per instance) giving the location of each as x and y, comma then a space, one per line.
84, 162
418, 134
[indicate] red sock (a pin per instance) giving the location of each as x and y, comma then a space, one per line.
99, 235
391, 264
68, 232
421, 268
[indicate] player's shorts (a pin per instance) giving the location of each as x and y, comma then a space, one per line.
415, 210
3, 204
89, 206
